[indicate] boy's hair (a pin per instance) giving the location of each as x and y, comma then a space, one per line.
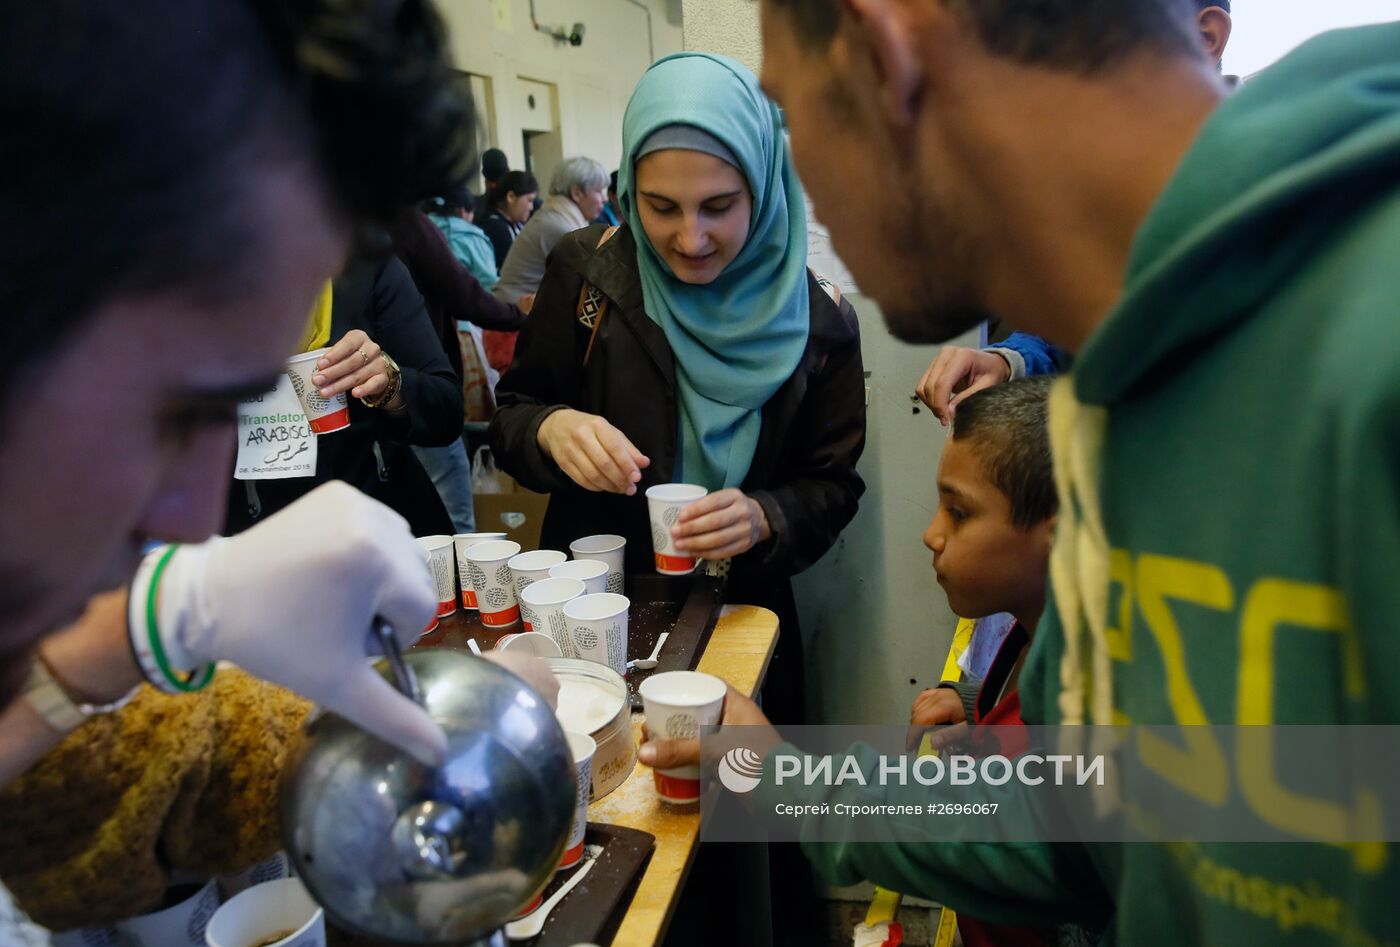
1008, 426
1084, 36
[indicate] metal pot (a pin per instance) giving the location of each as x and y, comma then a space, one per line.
399, 851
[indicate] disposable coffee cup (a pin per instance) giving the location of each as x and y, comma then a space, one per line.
607, 548
542, 608
179, 922
461, 543
278, 866
582, 747
439, 549
325, 416
494, 584
593, 573
665, 502
530, 643
598, 628
274, 914
677, 704
530, 567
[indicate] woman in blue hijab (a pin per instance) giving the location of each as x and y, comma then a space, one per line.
694, 346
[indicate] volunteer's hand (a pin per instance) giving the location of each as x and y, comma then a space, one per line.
739, 711
937, 706
533, 671
352, 364
526, 303
956, 373
594, 454
295, 599
721, 524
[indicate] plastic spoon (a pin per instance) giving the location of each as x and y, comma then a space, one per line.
532, 923
471, 643
649, 662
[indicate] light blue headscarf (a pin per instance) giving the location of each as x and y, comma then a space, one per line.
737, 339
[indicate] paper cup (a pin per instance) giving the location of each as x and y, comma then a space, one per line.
325, 417
665, 502
593, 573
276, 867
181, 924
530, 567
542, 607
277, 907
462, 542
598, 628
677, 704
605, 548
530, 643
439, 549
582, 747
493, 582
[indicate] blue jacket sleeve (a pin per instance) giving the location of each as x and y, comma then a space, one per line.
1038, 355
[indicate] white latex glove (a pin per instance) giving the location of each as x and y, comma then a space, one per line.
294, 601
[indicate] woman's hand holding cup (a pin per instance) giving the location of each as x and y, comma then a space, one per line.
352, 364
719, 525
594, 454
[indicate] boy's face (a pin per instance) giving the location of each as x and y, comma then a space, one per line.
985, 563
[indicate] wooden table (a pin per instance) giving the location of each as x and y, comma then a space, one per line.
739, 650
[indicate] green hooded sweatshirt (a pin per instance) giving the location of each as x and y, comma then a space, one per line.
1228, 551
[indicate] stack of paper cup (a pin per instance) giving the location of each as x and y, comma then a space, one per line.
324, 416
665, 502
608, 548
439, 549
582, 747
428, 564
542, 608
598, 628
493, 582
677, 704
593, 573
462, 542
265, 911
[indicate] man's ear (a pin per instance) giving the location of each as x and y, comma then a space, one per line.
881, 32
1215, 26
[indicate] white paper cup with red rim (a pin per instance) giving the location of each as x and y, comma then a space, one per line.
593, 573
494, 584
676, 705
439, 550
275, 907
531, 567
428, 565
598, 628
665, 502
605, 547
325, 416
542, 608
529, 643
461, 542
582, 746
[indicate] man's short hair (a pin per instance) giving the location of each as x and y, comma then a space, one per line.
583, 173
132, 139
1084, 36
1007, 427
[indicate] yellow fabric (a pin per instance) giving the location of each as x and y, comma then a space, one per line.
91, 834
1079, 562
318, 329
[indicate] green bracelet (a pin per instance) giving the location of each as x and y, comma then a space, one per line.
197, 679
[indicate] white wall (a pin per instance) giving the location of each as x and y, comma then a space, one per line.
594, 80
1266, 30
729, 27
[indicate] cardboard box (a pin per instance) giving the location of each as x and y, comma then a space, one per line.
520, 514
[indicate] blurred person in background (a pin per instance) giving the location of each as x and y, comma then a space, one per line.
508, 206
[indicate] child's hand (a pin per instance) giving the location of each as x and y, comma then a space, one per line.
935, 707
